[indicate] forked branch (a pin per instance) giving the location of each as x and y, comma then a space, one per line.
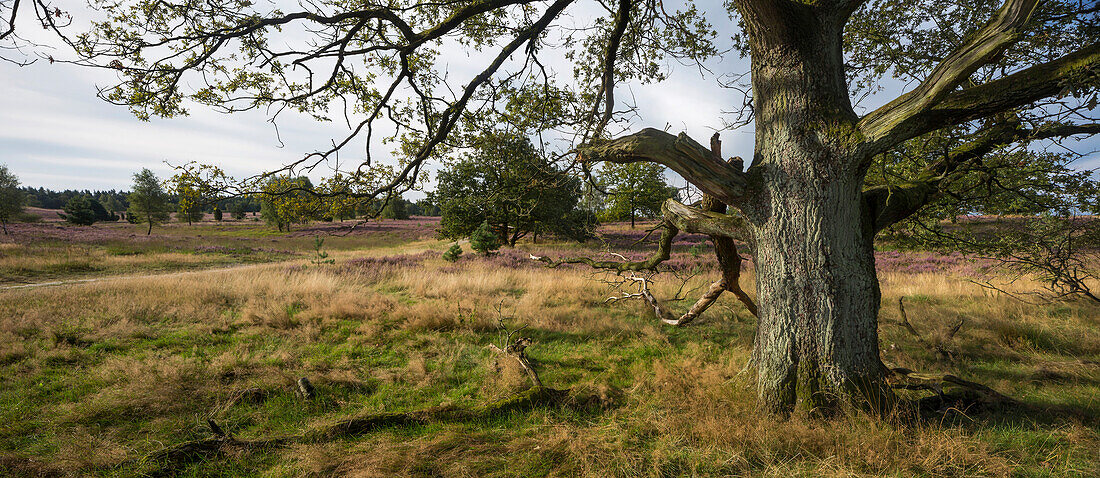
1000, 33
711, 220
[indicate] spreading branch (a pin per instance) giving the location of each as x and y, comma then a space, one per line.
693, 161
711, 220
1000, 33
697, 221
607, 88
890, 203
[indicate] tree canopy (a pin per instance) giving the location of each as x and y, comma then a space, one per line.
636, 189
81, 211
286, 201
506, 182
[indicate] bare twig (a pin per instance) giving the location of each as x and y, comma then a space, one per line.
517, 349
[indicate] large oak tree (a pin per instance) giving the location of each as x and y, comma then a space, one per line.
1001, 72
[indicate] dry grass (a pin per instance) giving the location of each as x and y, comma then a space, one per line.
96, 374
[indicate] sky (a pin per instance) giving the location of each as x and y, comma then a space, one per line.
55, 132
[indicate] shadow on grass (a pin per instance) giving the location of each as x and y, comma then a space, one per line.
170, 460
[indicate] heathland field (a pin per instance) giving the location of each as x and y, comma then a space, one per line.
182, 358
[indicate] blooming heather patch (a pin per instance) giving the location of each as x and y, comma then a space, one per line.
629, 238
915, 262
505, 259
415, 228
216, 249
24, 233
397, 261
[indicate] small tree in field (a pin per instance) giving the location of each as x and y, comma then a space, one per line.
148, 201
483, 240
11, 198
79, 211
635, 189
217, 214
286, 200
453, 253
190, 197
506, 181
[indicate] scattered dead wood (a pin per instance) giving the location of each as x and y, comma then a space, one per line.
517, 349
661, 312
951, 392
305, 389
214, 428
170, 458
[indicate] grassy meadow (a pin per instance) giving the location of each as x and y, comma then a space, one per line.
100, 378
52, 250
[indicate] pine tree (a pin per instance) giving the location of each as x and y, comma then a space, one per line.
483, 240
453, 253
79, 211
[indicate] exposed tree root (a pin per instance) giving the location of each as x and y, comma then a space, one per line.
164, 461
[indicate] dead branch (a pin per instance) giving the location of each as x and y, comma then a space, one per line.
214, 428
663, 252
905, 379
305, 389
663, 314
517, 349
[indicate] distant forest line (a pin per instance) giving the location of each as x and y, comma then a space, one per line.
115, 200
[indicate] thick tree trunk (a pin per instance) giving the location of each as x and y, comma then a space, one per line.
817, 337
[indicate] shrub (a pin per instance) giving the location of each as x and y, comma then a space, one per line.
79, 211
453, 253
483, 240
238, 211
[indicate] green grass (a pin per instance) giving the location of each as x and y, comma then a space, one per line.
94, 377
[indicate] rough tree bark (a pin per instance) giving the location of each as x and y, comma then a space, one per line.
817, 338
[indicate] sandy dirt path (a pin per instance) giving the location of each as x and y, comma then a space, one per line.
130, 277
